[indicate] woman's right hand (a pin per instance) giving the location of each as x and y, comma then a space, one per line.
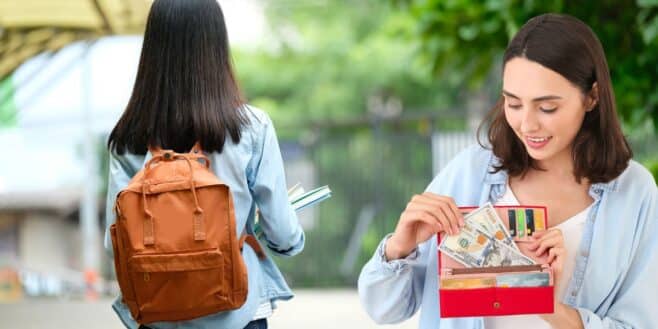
426, 214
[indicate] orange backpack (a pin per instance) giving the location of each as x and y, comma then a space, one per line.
176, 253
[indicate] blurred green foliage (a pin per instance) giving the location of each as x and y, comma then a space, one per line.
653, 167
326, 59
7, 104
317, 78
461, 39
378, 171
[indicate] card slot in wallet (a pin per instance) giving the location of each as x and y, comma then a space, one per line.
495, 269
503, 276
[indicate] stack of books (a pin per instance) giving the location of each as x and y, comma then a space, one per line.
300, 199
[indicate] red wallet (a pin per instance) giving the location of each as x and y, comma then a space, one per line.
497, 300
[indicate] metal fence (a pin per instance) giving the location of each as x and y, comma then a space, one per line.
372, 170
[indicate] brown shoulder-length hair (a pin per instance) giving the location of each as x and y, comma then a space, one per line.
185, 90
567, 46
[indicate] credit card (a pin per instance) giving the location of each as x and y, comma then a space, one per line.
511, 218
468, 283
540, 222
530, 221
535, 279
520, 223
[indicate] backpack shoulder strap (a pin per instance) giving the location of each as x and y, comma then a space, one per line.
253, 243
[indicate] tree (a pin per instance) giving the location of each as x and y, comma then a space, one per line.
326, 60
462, 39
333, 61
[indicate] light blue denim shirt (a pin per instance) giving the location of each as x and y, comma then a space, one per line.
615, 281
253, 169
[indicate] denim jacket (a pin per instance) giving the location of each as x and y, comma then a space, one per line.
253, 169
615, 280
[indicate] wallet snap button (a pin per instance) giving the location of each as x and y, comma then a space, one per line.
496, 305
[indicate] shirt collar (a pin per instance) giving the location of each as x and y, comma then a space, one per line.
495, 178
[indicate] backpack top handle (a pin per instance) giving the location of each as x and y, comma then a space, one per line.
167, 155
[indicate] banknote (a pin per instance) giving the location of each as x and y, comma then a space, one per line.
488, 220
470, 247
535, 279
468, 283
483, 242
501, 254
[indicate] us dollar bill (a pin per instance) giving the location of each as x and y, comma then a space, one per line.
473, 247
470, 247
501, 254
487, 219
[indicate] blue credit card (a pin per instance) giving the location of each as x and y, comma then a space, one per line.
534, 279
511, 218
530, 221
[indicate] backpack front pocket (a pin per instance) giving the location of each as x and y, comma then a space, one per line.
179, 281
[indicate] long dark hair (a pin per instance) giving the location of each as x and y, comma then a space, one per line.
567, 46
185, 90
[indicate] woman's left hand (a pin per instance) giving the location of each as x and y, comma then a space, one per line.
552, 242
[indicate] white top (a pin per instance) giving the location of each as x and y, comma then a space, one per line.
572, 231
264, 311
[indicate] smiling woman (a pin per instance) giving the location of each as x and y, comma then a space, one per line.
547, 124
555, 141
557, 102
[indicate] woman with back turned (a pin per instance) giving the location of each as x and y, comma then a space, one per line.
185, 92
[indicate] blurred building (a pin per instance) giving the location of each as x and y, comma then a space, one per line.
53, 111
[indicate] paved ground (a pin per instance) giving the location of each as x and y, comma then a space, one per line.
317, 309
